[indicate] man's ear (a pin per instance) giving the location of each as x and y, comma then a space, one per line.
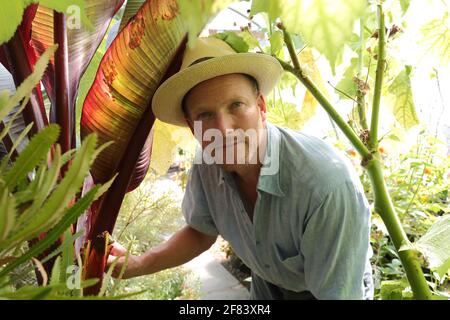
262, 106
190, 124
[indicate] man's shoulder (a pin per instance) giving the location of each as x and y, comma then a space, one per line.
313, 161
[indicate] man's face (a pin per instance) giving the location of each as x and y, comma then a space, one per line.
224, 105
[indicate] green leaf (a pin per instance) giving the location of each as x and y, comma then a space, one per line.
404, 4
235, 41
13, 11
68, 253
435, 245
392, 289
285, 115
197, 13
250, 39
276, 42
436, 36
69, 217
56, 272
309, 67
131, 9
7, 212
347, 87
35, 152
57, 202
271, 7
326, 25
401, 99
28, 85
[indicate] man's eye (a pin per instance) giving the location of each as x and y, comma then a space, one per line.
204, 115
237, 104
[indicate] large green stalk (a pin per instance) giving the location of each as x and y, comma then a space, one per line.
385, 208
371, 162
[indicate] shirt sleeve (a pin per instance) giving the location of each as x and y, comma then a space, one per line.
195, 206
336, 244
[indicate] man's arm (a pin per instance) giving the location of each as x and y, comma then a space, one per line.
183, 246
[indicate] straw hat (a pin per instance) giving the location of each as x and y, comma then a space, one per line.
219, 59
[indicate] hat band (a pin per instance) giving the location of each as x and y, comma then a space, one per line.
200, 60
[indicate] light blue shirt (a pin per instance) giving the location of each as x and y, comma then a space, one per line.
311, 222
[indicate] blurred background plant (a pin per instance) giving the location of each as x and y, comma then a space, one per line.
148, 216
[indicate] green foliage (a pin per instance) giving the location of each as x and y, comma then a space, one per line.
435, 246
36, 201
12, 12
418, 184
197, 13
437, 36
326, 25
234, 40
148, 216
402, 99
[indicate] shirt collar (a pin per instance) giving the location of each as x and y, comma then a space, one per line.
269, 176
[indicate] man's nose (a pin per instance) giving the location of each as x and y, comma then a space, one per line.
224, 123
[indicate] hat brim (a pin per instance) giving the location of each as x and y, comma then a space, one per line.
166, 102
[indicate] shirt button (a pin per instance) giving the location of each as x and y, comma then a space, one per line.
267, 266
257, 242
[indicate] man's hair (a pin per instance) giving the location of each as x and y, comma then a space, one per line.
252, 81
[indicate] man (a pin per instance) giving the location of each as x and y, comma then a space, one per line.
291, 208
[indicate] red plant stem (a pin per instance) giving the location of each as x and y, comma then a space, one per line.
61, 80
20, 67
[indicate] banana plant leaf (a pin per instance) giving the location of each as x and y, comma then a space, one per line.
81, 46
131, 8
127, 78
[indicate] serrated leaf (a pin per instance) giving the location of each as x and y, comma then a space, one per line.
66, 190
402, 101
70, 217
28, 85
13, 10
7, 212
435, 245
44, 186
35, 152
68, 253
326, 25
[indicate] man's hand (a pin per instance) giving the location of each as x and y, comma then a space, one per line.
133, 267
